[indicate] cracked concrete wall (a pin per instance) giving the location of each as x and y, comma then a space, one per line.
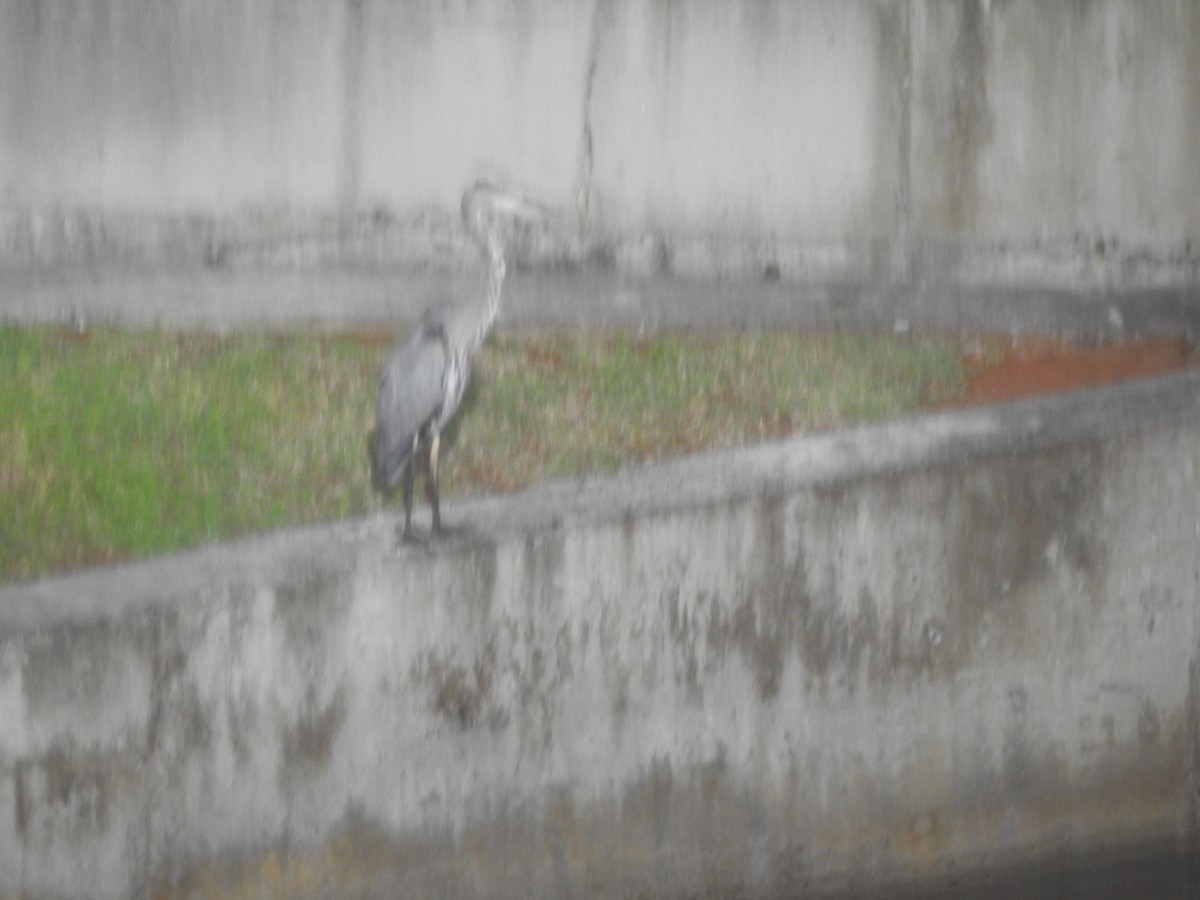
876, 140
890, 655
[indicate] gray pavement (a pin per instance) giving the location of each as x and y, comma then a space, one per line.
338, 297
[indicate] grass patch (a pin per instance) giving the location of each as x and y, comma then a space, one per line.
554, 405
117, 444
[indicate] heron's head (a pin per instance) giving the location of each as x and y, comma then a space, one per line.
492, 214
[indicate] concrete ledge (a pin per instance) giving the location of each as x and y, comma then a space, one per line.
892, 655
392, 297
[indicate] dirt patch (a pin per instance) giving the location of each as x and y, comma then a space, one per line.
1003, 368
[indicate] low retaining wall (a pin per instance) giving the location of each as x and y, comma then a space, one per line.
887, 655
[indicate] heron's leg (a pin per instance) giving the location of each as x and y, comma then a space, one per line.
408, 489
433, 481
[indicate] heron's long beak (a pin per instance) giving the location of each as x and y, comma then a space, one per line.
510, 201
520, 207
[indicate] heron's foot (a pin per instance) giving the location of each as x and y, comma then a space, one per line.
406, 537
410, 537
443, 531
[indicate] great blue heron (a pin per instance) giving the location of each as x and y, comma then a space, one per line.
424, 377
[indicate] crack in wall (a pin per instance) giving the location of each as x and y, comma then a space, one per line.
583, 195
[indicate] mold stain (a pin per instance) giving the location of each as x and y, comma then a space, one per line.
687, 829
1018, 520
542, 560
683, 627
306, 743
473, 584
179, 723
777, 615
775, 605
69, 792
241, 717
461, 696
360, 858
307, 607
78, 667
1018, 524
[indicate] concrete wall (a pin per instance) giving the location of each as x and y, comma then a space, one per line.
884, 655
905, 141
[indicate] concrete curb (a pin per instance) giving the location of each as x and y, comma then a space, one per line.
358, 297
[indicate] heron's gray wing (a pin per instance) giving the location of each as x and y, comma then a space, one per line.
409, 395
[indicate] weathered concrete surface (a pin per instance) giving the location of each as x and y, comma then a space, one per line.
883, 655
898, 141
340, 298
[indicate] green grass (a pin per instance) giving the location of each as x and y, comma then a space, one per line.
117, 444
565, 404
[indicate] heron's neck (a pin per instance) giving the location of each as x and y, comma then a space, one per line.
485, 316
495, 282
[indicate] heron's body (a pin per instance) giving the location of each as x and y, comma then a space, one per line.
425, 376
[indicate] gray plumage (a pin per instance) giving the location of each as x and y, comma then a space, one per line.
425, 376
408, 399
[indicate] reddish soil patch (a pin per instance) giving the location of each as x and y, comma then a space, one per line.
1005, 369
372, 337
